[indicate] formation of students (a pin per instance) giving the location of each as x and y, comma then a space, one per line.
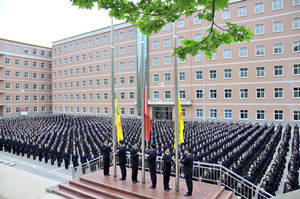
247, 149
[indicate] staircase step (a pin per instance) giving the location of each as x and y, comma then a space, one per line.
235, 197
99, 190
64, 193
114, 188
225, 195
218, 193
79, 191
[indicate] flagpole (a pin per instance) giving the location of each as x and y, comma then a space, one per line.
113, 102
142, 111
176, 112
146, 125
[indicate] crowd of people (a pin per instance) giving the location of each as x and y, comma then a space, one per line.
245, 148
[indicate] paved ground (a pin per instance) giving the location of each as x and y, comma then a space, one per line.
29, 178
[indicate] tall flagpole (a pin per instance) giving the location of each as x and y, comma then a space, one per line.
176, 112
113, 101
142, 111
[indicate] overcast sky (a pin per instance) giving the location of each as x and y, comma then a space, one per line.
41, 22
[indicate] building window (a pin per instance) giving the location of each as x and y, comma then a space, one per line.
77, 58
122, 65
296, 46
213, 94
131, 95
35, 51
131, 64
296, 92
213, 113
167, 77
296, 22
199, 75
226, 14
260, 114
259, 8
122, 80
296, 115
105, 67
278, 48
278, 115
180, 39
167, 26
244, 93
122, 96
17, 49
182, 94
105, 53
7, 73
228, 114
227, 54
182, 76
243, 52
197, 20
123, 111
242, 11
18, 98
227, 73
83, 44
26, 63
131, 49
7, 47
166, 43
243, 72
105, 82
122, 50
244, 114
90, 56
180, 23
167, 95
260, 93
213, 74
83, 57
7, 61
131, 80
199, 113
131, 33
7, 85
296, 69
65, 48
155, 78
278, 70
199, 94
277, 26
198, 57
167, 60
260, 50
131, 111
156, 95
259, 29
17, 62
228, 93
8, 110
155, 61
277, 4
155, 44
260, 71
278, 93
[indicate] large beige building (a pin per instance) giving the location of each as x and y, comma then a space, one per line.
258, 81
26, 78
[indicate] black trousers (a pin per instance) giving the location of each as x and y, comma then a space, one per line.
67, 162
134, 173
123, 170
153, 176
106, 166
166, 179
189, 183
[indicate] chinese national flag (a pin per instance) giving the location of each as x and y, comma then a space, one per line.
147, 118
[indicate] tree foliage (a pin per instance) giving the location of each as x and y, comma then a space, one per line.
151, 15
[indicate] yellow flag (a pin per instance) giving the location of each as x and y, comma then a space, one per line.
180, 125
118, 124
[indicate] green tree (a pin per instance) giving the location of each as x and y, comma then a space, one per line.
151, 15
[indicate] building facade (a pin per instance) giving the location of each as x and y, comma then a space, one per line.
257, 81
26, 78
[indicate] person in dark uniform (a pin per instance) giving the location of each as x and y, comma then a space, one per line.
134, 153
66, 157
187, 164
122, 159
152, 165
106, 149
167, 158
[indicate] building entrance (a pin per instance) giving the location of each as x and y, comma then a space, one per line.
162, 113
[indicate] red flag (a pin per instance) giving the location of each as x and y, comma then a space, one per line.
147, 118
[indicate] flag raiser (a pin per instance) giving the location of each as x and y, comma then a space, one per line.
118, 123
147, 117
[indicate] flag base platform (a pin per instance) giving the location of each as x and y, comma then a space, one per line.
96, 185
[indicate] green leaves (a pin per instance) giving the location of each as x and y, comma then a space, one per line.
151, 15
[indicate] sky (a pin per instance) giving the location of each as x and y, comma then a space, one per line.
42, 22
